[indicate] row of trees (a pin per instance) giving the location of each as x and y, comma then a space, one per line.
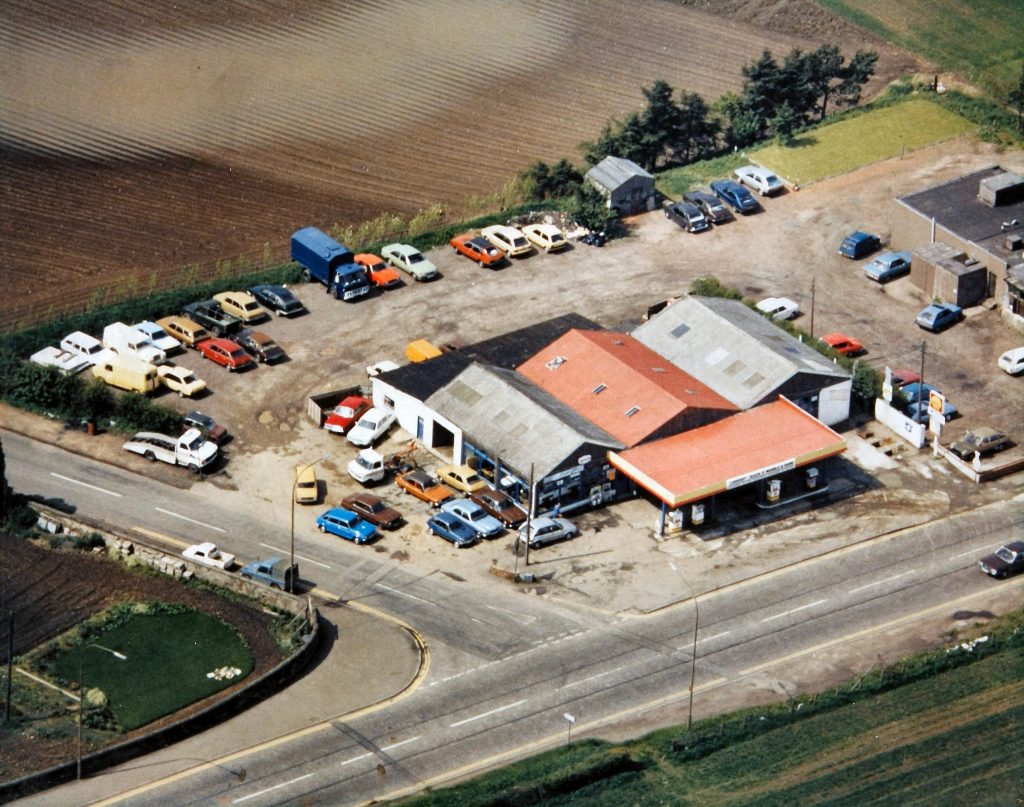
777, 98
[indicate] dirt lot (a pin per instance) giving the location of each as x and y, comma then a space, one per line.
137, 142
50, 592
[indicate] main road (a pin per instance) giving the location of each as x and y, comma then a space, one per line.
505, 669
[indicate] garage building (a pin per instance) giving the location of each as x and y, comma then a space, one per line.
627, 187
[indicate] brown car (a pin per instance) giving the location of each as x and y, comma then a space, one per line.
501, 506
373, 509
424, 487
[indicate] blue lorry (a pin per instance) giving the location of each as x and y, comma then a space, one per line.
325, 260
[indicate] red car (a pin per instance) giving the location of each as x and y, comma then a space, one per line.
346, 413
841, 343
379, 273
225, 353
479, 249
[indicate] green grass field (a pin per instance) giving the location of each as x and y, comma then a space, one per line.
982, 40
951, 738
168, 657
860, 140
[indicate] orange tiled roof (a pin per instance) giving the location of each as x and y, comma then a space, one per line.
617, 383
734, 451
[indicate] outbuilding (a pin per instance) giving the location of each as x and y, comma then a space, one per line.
627, 187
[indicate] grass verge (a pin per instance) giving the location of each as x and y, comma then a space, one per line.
168, 656
860, 140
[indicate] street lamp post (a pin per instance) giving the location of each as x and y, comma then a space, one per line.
81, 692
299, 472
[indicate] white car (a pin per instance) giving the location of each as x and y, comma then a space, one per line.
84, 345
759, 179
410, 260
158, 337
64, 360
383, 366
547, 530
545, 236
508, 239
180, 380
208, 555
1012, 361
778, 308
370, 427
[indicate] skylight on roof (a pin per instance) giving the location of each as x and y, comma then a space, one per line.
679, 330
632, 411
556, 362
658, 369
599, 389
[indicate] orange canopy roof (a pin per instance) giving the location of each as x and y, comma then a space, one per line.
740, 449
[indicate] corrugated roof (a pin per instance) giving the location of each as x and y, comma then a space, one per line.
513, 348
738, 353
422, 379
504, 413
612, 172
725, 455
619, 384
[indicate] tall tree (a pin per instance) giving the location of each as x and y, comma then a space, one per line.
607, 143
761, 89
1016, 99
853, 77
660, 122
826, 66
695, 136
5, 490
739, 124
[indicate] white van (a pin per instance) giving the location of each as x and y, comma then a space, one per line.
126, 340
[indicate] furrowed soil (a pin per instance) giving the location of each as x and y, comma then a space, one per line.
50, 592
138, 141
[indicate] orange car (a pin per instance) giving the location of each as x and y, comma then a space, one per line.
479, 249
424, 487
841, 343
380, 274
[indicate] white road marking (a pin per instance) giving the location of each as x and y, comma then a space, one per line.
300, 557
488, 714
716, 636
186, 518
591, 678
879, 582
793, 610
86, 485
385, 748
403, 594
269, 789
974, 552
526, 619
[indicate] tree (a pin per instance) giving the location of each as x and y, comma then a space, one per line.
558, 181
825, 65
785, 122
739, 124
589, 208
6, 494
695, 133
853, 78
761, 89
605, 145
660, 123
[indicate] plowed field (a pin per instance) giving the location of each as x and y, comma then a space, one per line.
138, 140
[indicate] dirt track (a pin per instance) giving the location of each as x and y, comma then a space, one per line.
137, 143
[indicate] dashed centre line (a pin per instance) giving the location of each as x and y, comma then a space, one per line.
186, 518
488, 714
269, 789
879, 582
793, 610
382, 750
86, 485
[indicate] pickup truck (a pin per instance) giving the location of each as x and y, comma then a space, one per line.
191, 450
273, 571
211, 316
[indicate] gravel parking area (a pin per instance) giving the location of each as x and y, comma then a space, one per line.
776, 252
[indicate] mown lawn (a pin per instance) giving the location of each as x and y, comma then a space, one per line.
952, 738
861, 140
981, 40
168, 658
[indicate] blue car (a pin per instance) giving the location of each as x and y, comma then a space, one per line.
473, 516
346, 524
887, 266
938, 316
917, 408
448, 526
735, 195
858, 244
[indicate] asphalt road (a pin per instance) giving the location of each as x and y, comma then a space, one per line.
506, 669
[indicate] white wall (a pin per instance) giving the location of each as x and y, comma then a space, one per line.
834, 403
913, 433
408, 411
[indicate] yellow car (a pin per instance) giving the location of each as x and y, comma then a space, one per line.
545, 236
508, 239
307, 486
243, 305
461, 477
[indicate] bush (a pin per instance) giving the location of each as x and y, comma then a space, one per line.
708, 286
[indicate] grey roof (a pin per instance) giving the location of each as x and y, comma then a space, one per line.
511, 349
955, 206
737, 352
505, 413
612, 172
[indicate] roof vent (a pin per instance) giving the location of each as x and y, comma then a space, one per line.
599, 389
658, 369
556, 362
617, 342
632, 411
